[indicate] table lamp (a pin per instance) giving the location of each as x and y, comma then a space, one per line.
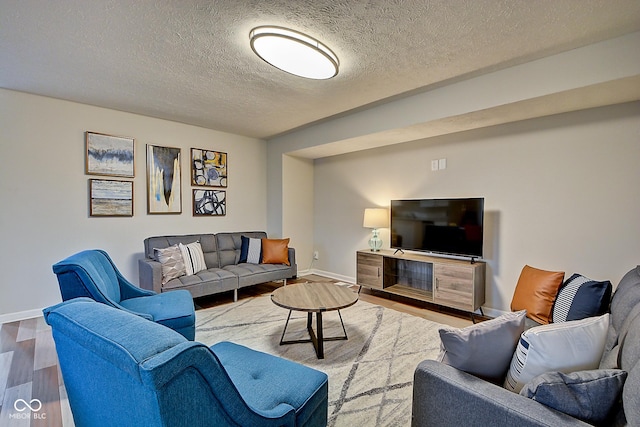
375, 218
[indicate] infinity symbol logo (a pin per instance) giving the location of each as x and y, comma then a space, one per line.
21, 405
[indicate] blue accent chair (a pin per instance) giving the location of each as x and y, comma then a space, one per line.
121, 370
93, 274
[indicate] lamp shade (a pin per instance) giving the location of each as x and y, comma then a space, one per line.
376, 218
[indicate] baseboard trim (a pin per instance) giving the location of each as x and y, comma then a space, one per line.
20, 315
331, 275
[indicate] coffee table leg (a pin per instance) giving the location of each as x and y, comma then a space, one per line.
282, 341
316, 338
320, 335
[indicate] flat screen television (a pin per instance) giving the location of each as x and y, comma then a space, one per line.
445, 226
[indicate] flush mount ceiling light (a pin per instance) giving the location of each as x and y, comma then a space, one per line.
294, 52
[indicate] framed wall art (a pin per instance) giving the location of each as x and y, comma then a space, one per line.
209, 202
109, 155
164, 185
208, 168
110, 197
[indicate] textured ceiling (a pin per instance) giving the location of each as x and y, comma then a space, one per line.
190, 60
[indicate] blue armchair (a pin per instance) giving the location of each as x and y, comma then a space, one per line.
120, 370
93, 274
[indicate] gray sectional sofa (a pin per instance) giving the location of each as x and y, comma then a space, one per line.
223, 273
445, 396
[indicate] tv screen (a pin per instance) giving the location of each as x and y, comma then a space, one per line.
447, 226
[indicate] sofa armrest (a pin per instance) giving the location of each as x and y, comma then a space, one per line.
292, 261
445, 396
150, 274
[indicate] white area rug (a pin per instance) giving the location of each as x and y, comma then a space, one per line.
370, 374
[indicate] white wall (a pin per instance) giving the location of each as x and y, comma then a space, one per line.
561, 193
297, 208
44, 191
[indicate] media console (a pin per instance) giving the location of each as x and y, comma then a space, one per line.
448, 282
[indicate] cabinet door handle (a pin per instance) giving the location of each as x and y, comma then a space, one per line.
437, 282
378, 271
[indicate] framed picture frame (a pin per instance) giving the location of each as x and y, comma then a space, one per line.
109, 155
208, 202
208, 168
164, 182
110, 197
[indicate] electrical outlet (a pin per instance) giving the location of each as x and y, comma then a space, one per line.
316, 255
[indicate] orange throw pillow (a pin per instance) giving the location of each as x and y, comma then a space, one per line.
535, 292
275, 251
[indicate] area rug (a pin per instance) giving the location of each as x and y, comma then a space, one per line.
370, 374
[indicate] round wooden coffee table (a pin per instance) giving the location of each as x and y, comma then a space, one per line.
315, 297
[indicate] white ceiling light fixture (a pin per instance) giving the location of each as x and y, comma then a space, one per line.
294, 52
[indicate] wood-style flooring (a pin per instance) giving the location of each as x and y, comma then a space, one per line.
31, 389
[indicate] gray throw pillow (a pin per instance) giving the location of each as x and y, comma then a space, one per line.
587, 395
484, 349
172, 262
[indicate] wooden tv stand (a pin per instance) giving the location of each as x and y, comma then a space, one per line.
448, 282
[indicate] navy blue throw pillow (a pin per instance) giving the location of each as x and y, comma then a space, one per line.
244, 249
580, 297
250, 250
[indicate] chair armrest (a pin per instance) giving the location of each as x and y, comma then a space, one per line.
445, 396
129, 290
150, 274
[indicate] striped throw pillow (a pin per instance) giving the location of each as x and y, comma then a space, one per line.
193, 258
580, 297
251, 250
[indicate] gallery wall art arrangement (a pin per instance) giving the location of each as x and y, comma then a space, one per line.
113, 156
110, 197
209, 169
109, 155
209, 202
164, 184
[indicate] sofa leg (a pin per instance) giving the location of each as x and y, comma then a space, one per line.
235, 295
285, 282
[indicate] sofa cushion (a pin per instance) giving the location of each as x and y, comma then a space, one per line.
193, 258
251, 274
567, 347
251, 250
587, 395
172, 262
580, 297
484, 349
275, 251
535, 292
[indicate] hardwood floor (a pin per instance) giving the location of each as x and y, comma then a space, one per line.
31, 388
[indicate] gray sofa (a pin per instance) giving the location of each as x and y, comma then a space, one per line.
445, 396
223, 273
